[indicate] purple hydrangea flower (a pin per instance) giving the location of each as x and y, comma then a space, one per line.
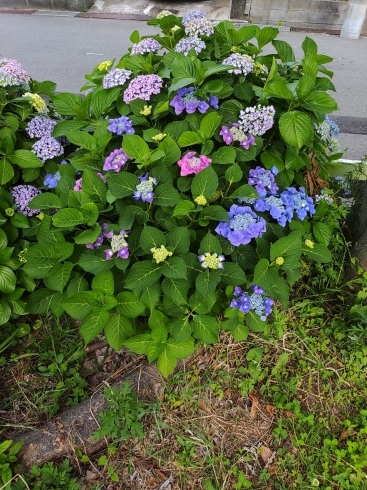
242, 227
143, 87
47, 148
15, 70
144, 190
199, 27
147, 45
192, 15
243, 62
121, 125
263, 180
116, 78
51, 180
116, 160
185, 99
22, 195
185, 44
257, 120
119, 246
254, 302
40, 126
236, 134
101, 237
302, 204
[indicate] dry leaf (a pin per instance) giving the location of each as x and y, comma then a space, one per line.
272, 469
265, 453
254, 406
269, 409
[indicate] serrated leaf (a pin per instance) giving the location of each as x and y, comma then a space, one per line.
174, 268
129, 305
7, 280
319, 253
295, 128
25, 159
6, 171
104, 283
255, 323
58, 276
322, 232
233, 274
117, 330
178, 240
205, 183
151, 238
165, 363
80, 304
135, 147
122, 184
180, 350
180, 329
68, 218
206, 282
205, 328
142, 275
82, 139
166, 195
46, 200
139, 343
93, 324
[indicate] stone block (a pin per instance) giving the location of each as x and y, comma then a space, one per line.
334, 20
315, 17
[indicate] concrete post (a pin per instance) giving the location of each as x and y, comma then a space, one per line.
237, 9
353, 22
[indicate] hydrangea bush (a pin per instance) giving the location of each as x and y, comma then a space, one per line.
170, 202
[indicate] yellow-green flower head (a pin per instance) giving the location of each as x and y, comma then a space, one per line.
147, 110
21, 255
37, 102
160, 254
235, 49
211, 261
9, 211
40, 216
259, 69
201, 200
164, 13
279, 261
159, 137
309, 243
104, 66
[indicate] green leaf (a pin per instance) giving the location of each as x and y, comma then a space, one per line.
7, 280
80, 304
254, 323
288, 246
320, 102
82, 139
175, 290
322, 232
180, 350
172, 152
309, 46
295, 128
63, 128
88, 236
284, 51
25, 159
209, 124
270, 159
266, 35
68, 218
122, 184
151, 238
178, 240
233, 274
233, 173
102, 100
205, 183
117, 330
205, 328
93, 324
46, 200
216, 213
210, 244
58, 276
305, 85
166, 195
189, 138
245, 190
142, 275
244, 91
19, 220
6, 171
39, 301
104, 283
224, 155
183, 208
206, 282
95, 262
319, 253
94, 186
139, 343
180, 329
165, 363
174, 268
135, 147
128, 305
77, 285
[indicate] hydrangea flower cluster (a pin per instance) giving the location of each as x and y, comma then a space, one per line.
7, 80
37, 102
104, 234
115, 160
119, 246
116, 78
329, 131
144, 190
256, 302
40, 126
163, 13
243, 62
160, 254
22, 195
14, 69
211, 261
235, 133
104, 66
185, 44
51, 180
186, 100
199, 27
47, 148
192, 164
323, 196
344, 184
147, 45
242, 227
263, 180
192, 15
143, 87
120, 126
257, 120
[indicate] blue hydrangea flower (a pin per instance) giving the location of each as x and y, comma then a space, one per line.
254, 302
144, 190
185, 99
242, 227
263, 180
121, 125
51, 180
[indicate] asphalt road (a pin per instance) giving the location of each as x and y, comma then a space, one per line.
63, 48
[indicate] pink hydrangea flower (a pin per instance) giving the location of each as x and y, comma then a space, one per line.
191, 164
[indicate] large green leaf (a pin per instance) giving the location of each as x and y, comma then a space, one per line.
166, 363
25, 159
6, 171
151, 238
117, 330
209, 124
122, 184
295, 128
102, 100
135, 147
46, 200
58, 276
80, 304
68, 218
142, 275
7, 280
104, 283
174, 268
189, 138
82, 139
93, 324
178, 240
318, 253
206, 282
320, 102
205, 183
129, 305
205, 328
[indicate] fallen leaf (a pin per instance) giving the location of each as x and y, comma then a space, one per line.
90, 475
254, 406
265, 453
269, 409
272, 469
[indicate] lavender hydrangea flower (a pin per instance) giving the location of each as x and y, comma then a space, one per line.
234, 133
242, 227
185, 99
144, 190
121, 125
263, 180
7, 80
116, 160
199, 27
192, 15
116, 78
147, 45
143, 87
99, 241
15, 70
47, 148
243, 62
119, 246
185, 44
254, 302
22, 195
257, 120
51, 180
40, 126
302, 204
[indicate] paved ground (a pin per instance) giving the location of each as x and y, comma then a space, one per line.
63, 47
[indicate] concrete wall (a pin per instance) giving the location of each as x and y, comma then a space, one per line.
72, 5
323, 15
